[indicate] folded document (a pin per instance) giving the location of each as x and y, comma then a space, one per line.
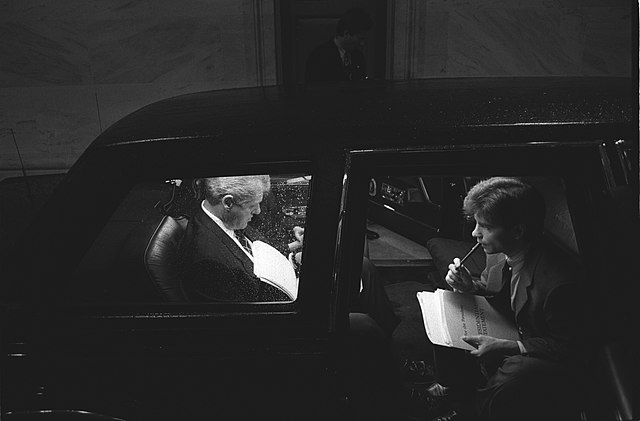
448, 316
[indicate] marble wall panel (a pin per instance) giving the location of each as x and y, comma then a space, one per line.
267, 42
114, 9
170, 51
608, 41
8, 153
432, 55
461, 38
43, 53
161, 47
102, 59
52, 125
502, 42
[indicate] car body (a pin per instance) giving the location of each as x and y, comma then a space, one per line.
134, 356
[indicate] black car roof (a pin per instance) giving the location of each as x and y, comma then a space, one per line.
378, 113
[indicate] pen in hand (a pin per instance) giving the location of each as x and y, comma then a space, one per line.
468, 254
457, 267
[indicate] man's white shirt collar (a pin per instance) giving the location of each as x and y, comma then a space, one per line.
228, 231
518, 288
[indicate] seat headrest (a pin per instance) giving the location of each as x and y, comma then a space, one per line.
161, 258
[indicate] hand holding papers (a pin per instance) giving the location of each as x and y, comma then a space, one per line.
273, 268
448, 316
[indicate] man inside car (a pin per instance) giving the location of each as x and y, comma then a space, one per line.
216, 251
534, 282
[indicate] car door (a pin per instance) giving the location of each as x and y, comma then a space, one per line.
88, 328
582, 183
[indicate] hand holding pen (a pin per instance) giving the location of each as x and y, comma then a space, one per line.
459, 277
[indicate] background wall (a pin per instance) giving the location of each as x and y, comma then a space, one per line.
460, 38
69, 69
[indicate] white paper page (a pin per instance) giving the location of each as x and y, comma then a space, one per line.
274, 268
432, 316
446, 333
450, 315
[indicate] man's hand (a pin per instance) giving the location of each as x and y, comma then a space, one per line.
488, 346
298, 233
459, 277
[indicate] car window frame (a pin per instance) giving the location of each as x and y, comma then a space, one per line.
472, 159
304, 311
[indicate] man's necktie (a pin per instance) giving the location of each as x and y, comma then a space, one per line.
506, 274
502, 300
244, 242
506, 282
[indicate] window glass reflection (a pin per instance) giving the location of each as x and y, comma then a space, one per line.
216, 239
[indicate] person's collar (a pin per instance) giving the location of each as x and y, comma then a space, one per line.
341, 50
217, 220
516, 259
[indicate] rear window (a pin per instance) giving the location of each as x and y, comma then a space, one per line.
217, 239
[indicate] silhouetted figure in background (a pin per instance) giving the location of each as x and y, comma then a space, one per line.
341, 58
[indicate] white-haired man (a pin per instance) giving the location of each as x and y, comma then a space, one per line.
216, 248
217, 259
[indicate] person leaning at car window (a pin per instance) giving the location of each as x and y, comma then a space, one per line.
532, 281
216, 254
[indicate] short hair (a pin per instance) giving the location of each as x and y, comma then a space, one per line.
243, 188
354, 21
507, 202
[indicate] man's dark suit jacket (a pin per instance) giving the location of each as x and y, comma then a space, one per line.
215, 268
550, 322
549, 319
325, 65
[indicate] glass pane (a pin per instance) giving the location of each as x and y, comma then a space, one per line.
219, 239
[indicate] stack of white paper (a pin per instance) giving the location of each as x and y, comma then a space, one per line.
448, 316
273, 268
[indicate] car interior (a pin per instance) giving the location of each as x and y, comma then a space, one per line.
142, 238
415, 230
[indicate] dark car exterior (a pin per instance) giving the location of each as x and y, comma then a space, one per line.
145, 358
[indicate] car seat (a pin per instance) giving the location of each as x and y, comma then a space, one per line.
161, 258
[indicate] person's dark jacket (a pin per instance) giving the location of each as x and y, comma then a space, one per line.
325, 65
551, 319
215, 268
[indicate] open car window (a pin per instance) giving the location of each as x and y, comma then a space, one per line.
409, 206
164, 232
422, 207
416, 226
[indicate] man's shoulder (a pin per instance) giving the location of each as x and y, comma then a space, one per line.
198, 218
557, 260
201, 225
